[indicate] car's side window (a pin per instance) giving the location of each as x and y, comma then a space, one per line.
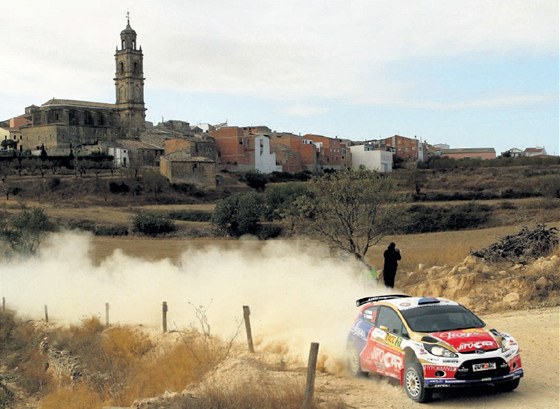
390, 319
370, 314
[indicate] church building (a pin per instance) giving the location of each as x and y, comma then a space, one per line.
66, 123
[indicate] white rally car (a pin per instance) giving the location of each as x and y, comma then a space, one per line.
428, 343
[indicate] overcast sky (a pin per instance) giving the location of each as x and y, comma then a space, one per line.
476, 73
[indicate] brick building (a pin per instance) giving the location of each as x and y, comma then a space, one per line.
294, 153
333, 152
403, 148
245, 149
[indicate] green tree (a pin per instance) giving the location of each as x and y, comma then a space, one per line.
239, 214
278, 199
8, 144
417, 179
25, 231
351, 210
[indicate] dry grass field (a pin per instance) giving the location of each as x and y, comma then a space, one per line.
122, 363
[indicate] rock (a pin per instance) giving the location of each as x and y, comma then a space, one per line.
470, 261
511, 298
541, 282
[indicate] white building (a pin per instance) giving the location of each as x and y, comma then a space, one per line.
265, 160
372, 159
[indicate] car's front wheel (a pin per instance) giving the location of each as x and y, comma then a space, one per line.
414, 383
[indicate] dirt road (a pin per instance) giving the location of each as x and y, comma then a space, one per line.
537, 331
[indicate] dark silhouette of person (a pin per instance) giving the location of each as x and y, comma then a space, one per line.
391, 256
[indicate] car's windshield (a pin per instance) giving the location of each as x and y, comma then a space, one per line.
434, 318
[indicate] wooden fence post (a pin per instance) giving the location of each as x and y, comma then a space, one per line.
164, 316
311, 368
246, 314
107, 314
46, 314
3, 303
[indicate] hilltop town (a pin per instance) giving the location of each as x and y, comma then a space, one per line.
194, 154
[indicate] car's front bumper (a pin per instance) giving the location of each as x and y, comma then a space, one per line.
448, 383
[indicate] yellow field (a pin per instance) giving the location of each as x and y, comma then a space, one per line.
444, 248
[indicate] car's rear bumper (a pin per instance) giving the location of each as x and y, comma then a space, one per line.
452, 383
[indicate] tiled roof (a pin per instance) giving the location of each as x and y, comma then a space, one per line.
132, 144
469, 150
77, 104
182, 156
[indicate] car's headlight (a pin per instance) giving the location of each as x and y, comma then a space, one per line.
506, 344
438, 350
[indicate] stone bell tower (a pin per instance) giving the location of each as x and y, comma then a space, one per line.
129, 85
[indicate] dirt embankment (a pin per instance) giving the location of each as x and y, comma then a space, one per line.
520, 299
536, 330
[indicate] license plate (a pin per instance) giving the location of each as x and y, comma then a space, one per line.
484, 366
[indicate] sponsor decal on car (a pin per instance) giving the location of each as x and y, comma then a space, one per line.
475, 345
393, 340
468, 340
387, 359
439, 368
468, 333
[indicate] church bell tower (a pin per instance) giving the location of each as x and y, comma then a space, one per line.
129, 85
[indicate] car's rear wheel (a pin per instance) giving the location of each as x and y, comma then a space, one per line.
508, 386
354, 364
414, 383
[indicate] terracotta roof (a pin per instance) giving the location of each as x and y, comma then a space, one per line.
78, 104
182, 156
468, 150
132, 144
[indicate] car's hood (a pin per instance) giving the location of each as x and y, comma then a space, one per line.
468, 340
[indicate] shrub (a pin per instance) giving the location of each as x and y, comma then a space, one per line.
239, 214
191, 215
110, 230
269, 232
256, 180
424, 219
550, 186
25, 231
53, 183
118, 187
152, 224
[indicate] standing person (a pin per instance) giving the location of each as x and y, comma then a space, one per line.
391, 256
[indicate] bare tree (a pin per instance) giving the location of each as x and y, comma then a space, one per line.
350, 209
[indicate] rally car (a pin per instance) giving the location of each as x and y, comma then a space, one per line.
428, 343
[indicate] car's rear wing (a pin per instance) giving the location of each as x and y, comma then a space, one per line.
365, 300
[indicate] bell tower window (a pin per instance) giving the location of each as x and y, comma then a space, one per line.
122, 67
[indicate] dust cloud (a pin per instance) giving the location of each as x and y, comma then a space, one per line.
298, 292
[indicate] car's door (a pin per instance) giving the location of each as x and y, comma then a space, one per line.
383, 350
361, 331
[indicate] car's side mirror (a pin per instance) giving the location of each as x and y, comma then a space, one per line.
384, 328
